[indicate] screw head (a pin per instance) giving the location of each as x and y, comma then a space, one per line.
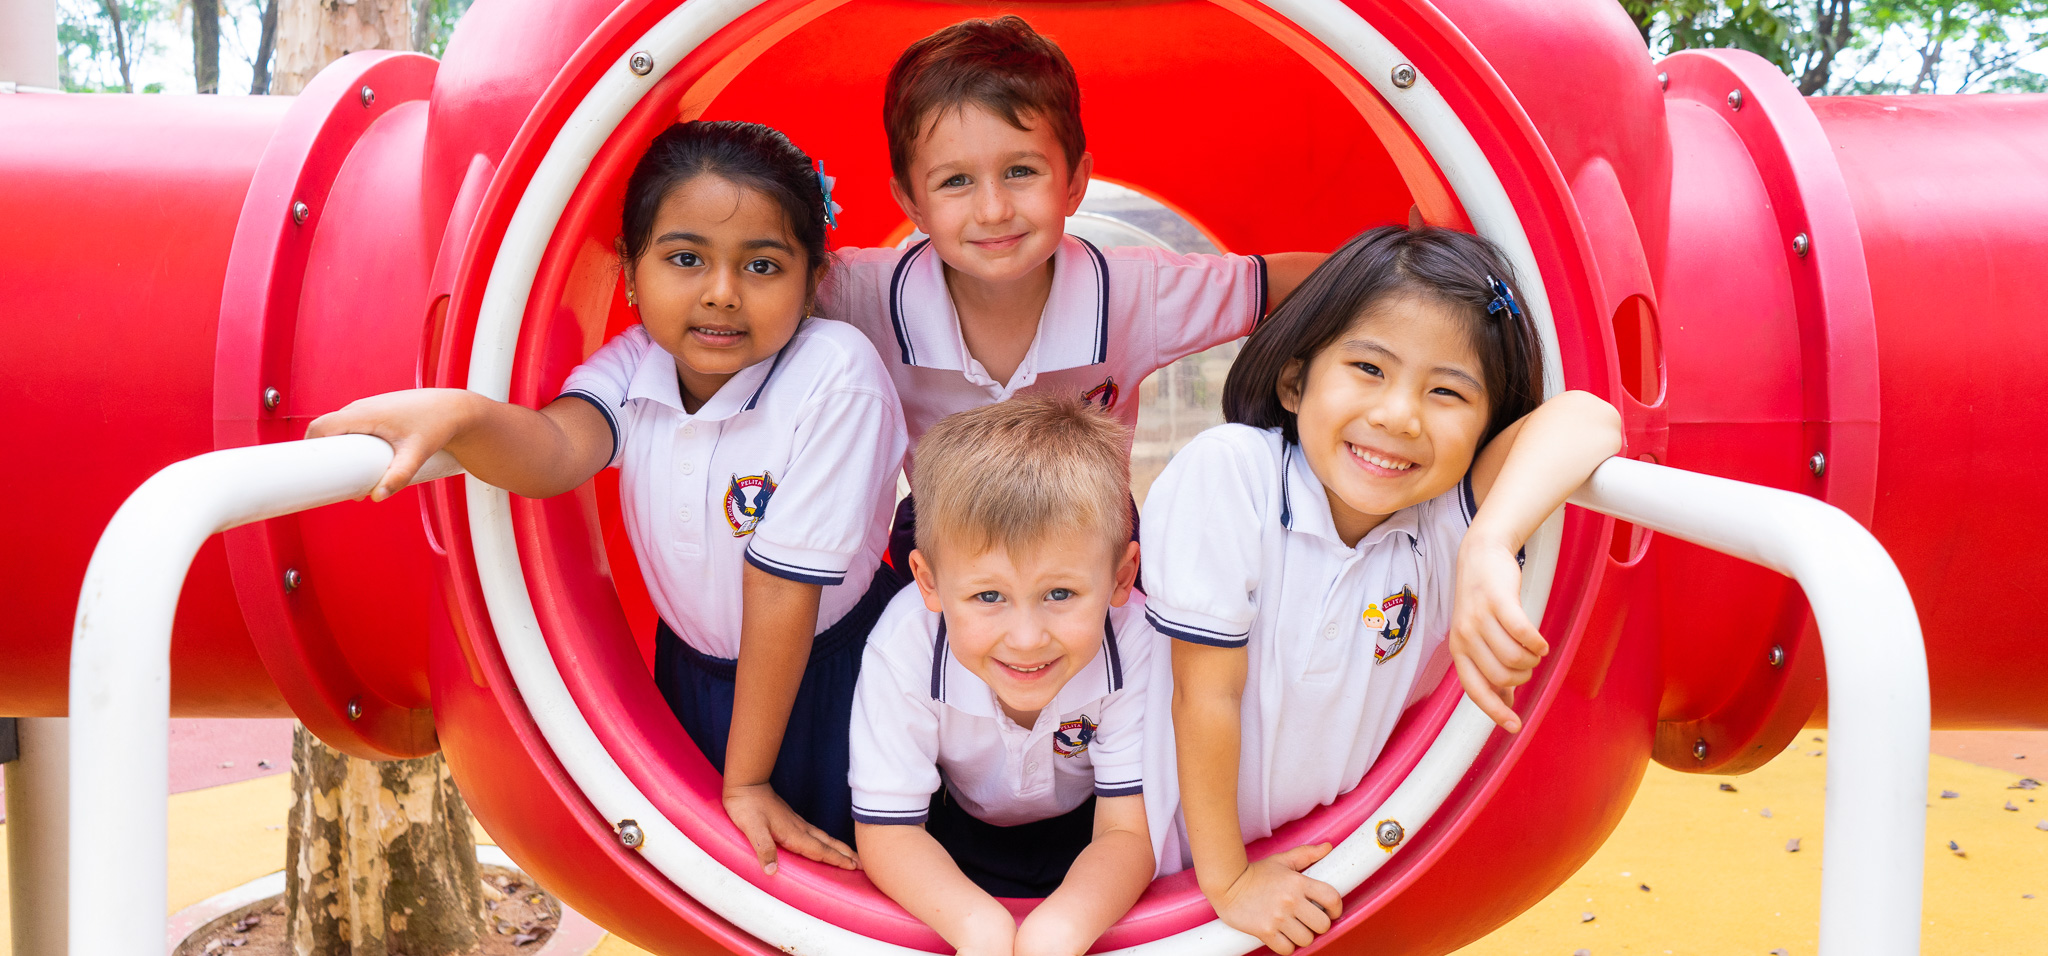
300, 211
292, 580
630, 834
355, 708
1800, 244
1818, 464
1404, 76
369, 96
272, 398
1734, 99
1663, 81
1776, 655
641, 63
1699, 749
1389, 833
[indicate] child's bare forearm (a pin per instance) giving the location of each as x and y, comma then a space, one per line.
529, 452
1208, 687
1550, 454
1100, 887
777, 619
1285, 271
915, 871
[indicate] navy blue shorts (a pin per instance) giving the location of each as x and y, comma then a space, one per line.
810, 769
1026, 861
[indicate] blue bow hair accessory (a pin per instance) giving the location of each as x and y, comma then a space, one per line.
825, 182
1502, 299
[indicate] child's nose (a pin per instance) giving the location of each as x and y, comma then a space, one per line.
994, 205
721, 293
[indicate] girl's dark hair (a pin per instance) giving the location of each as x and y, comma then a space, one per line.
1376, 265
749, 154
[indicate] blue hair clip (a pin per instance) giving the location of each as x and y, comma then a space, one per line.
1502, 299
825, 186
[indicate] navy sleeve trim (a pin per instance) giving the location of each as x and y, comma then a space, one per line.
1120, 790
610, 421
791, 572
1116, 660
939, 662
886, 818
1196, 635
1265, 290
1468, 498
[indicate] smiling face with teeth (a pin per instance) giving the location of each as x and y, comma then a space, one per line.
1027, 619
723, 285
1391, 412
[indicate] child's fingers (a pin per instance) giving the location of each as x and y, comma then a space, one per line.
1516, 623
1327, 897
815, 844
1485, 663
1296, 932
406, 460
1515, 660
1312, 916
1302, 857
1483, 694
757, 833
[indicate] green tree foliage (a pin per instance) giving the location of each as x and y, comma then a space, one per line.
1863, 46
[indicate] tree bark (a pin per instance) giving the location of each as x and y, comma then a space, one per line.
266, 46
113, 8
206, 45
379, 857
314, 33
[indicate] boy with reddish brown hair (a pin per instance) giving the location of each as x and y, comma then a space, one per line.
989, 157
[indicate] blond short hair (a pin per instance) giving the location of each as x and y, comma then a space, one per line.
1013, 473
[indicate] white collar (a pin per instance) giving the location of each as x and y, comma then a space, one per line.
1073, 331
1305, 507
964, 690
655, 380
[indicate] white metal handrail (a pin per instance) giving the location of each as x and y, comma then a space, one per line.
121, 662
120, 692
1878, 711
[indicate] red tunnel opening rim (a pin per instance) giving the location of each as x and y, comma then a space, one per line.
1526, 174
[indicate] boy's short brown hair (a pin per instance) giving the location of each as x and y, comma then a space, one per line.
1012, 473
1001, 65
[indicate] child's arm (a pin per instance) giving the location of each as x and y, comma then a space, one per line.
1285, 271
535, 454
915, 871
1100, 887
1270, 898
777, 619
1520, 478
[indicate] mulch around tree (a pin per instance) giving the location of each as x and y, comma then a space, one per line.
518, 919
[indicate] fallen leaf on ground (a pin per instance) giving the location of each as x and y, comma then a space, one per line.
1792, 845
1953, 848
1727, 788
1585, 917
2026, 783
1813, 753
1949, 794
1644, 887
2009, 806
1765, 813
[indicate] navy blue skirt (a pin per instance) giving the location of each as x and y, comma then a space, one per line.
810, 769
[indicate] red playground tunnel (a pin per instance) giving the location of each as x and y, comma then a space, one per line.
1829, 301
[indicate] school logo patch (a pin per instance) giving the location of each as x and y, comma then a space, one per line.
1396, 613
1073, 736
1104, 394
746, 500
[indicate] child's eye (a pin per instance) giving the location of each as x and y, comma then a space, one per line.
1058, 594
763, 267
688, 260
1019, 172
989, 597
1448, 393
954, 181
1368, 368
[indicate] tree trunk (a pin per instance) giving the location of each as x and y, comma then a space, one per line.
206, 45
113, 8
379, 857
259, 78
314, 33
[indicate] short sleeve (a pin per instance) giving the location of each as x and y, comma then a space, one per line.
855, 291
1118, 749
893, 750
1200, 533
842, 466
1202, 301
604, 379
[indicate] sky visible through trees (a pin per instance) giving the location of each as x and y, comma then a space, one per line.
1824, 46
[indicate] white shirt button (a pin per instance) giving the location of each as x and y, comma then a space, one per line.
689, 431
1329, 632
685, 514
1031, 768
688, 468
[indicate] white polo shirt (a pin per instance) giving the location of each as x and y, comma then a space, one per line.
921, 720
1240, 551
817, 429
1113, 317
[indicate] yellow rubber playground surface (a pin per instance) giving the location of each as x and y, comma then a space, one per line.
1692, 869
